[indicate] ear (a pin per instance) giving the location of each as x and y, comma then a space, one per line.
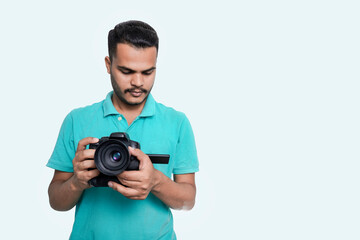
108, 64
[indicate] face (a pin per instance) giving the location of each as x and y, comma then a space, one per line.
132, 72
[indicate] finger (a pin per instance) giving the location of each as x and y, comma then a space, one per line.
130, 184
86, 141
127, 192
86, 175
91, 174
136, 152
86, 165
134, 176
87, 154
83, 155
130, 181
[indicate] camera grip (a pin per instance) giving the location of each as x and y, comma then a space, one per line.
102, 180
134, 164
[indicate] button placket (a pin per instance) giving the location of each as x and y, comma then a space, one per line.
121, 123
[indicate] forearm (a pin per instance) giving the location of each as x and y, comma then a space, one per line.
63, 195
176, 195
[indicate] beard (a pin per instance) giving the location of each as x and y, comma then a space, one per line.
121, 94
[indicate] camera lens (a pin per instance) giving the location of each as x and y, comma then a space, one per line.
116, 156
112, 157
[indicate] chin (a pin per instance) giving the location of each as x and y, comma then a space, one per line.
137, 101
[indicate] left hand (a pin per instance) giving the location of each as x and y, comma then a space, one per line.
138, 183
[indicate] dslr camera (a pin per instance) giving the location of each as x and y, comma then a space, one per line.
112, 157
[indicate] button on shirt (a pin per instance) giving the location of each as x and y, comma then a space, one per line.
103, 213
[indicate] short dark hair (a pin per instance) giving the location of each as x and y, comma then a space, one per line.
136, 33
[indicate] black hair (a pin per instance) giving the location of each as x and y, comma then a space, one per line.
135, 33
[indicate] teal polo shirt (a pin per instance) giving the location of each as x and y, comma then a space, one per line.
103, 213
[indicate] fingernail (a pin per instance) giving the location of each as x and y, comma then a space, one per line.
110, 184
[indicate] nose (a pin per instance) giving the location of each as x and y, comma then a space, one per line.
137, 80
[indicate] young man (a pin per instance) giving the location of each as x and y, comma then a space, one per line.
141, 210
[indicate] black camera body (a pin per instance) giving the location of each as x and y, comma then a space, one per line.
112, 157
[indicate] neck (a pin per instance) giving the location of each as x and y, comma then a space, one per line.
130, 112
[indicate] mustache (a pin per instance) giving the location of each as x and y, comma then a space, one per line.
136, 90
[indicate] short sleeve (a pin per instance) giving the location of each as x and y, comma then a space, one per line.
64, 151
185, 158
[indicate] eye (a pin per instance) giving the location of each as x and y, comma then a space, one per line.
149, 72
126, 72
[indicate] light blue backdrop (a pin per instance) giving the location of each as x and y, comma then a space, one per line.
270, 87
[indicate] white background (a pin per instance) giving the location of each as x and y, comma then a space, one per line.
271, 89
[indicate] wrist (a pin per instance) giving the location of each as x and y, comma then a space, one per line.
158, 179
75, 185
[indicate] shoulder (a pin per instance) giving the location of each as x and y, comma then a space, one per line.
83, 116
87, 110
171, 120
170, 113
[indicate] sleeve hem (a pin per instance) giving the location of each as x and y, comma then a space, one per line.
59, 167
185, 171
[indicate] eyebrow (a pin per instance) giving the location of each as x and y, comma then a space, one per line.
133, 71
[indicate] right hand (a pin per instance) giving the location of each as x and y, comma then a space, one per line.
84, 164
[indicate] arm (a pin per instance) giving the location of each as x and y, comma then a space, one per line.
63, 195
66, 188
177, 194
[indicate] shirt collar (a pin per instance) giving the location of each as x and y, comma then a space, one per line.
148, 110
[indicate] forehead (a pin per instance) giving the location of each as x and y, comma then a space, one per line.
135, 58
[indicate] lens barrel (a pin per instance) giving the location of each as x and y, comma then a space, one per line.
112, 157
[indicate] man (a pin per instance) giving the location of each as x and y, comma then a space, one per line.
139, 207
